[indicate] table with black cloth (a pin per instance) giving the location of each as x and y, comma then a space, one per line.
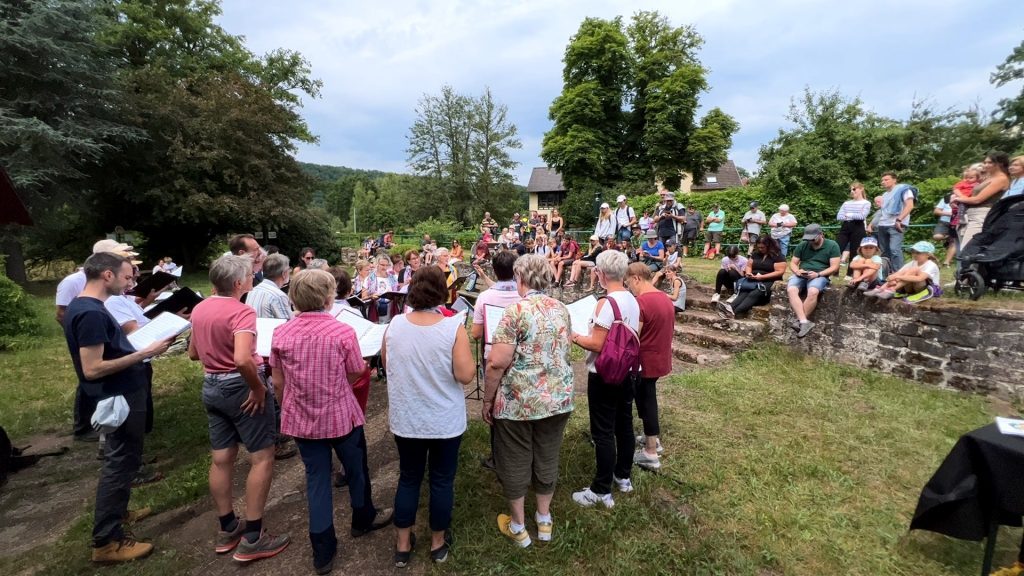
978, 487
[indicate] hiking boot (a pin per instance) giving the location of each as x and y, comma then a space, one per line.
227, 541
646, 461
134, 516
805, 329
90, 436
325, 548
144, 476
521, 538
725, 311
641, 442
544, 528
124, 550
625, 485
587, 498
402, 559
380, 520
440, 555
267, 546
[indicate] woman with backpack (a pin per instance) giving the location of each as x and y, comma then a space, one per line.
610, 397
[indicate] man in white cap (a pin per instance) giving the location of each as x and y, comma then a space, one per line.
781, 225
625, 217
667, 217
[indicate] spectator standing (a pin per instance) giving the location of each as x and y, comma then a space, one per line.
753, 219
428, 360
782, 224
107, 365
657, 324
715, 229
625, 218
693, 224
894, 218
315, 361
995, 182
605, 227
667, 216
814, 261
610, 403
1016, 170
646, 221
529, 397
852, 216
557, 223
240, 407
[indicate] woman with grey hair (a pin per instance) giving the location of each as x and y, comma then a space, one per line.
528, 397
610, 403
450, 273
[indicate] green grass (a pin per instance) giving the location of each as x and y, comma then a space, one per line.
776, 464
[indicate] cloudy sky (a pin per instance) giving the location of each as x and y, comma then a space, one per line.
378, 59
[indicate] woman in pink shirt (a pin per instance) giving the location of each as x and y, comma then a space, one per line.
315, 359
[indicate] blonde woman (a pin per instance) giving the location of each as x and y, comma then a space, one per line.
605, 227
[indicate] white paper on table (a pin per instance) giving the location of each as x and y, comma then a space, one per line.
161, 328
265, 334
492, 316
1010, 426
580, 313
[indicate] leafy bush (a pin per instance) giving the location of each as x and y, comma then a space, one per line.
17, 318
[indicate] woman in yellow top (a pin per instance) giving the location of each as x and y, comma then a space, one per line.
450, 273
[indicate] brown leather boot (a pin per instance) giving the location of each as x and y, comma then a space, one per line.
121, 551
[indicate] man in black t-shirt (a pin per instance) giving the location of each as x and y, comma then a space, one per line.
107, 366
666, 218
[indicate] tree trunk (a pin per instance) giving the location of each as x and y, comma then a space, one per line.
14, 262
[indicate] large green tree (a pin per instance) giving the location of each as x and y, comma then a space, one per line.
60, 116
628, 108
1011, 110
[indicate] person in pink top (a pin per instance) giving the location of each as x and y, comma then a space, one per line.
239, 406
315, 359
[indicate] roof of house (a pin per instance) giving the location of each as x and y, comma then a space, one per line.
17, 213
727, 176
545, 180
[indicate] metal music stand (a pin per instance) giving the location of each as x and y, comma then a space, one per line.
478, 389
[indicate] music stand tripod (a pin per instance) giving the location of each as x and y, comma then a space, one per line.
478, 389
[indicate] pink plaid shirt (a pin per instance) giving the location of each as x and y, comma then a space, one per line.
316, 352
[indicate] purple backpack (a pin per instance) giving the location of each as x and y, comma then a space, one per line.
619, 359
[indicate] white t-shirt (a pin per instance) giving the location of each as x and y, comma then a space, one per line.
781, 231
624, 215
124, 310
70, 287
629, 309
929, 267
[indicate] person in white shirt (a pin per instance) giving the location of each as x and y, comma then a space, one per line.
610, 404
625, 217
916, 281
605, 227
781, 225
646, 221
267, 298
753, 219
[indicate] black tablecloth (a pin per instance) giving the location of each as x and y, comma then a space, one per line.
981, 482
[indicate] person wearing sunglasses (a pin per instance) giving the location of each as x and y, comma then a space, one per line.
852, 215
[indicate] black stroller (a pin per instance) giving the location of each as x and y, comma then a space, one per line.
994, 258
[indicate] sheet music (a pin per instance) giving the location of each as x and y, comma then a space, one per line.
265, 334
177, 271
163, 296
492, 316
370, 335
580, 313
161, 328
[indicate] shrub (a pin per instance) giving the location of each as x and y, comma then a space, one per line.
17, 318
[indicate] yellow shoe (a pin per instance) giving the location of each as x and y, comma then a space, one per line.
134, 516
543, 529
1016, 569
505, 527
123, 551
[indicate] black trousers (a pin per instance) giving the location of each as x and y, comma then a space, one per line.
747, 299
85, 405
647, 406
850, 235
728, 279
120, 464
611, 428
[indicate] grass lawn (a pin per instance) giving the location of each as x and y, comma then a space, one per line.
775, 464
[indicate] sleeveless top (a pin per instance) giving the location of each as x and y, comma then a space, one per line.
991, 199
424, 399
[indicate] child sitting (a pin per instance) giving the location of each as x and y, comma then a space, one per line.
917, 281
866, 266
671, 253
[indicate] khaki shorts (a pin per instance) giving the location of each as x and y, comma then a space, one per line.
528, 449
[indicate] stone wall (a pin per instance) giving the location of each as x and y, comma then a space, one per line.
944, 342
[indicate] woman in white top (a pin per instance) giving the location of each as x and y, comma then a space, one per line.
610, 404
428, 361
852, 214
605, 227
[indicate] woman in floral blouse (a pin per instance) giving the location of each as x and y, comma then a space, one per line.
528, 397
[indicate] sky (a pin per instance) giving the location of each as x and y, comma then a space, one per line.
378, 60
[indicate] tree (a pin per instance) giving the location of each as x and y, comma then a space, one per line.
1011, 110
461, 145
59, 117
628, 109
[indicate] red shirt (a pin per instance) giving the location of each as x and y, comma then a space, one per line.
316, 352
658, 318
215, 321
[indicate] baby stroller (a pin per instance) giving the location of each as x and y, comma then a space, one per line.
994, 258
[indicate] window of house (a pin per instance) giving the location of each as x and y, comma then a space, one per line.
549, 200
712, 179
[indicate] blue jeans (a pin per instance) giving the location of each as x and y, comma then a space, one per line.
316, 457
818, 284
442, 454
890, 241
783, 245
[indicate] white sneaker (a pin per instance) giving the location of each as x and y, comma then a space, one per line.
587, 498
641, 442
731, 298
625, 485
715, 297
644, 460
